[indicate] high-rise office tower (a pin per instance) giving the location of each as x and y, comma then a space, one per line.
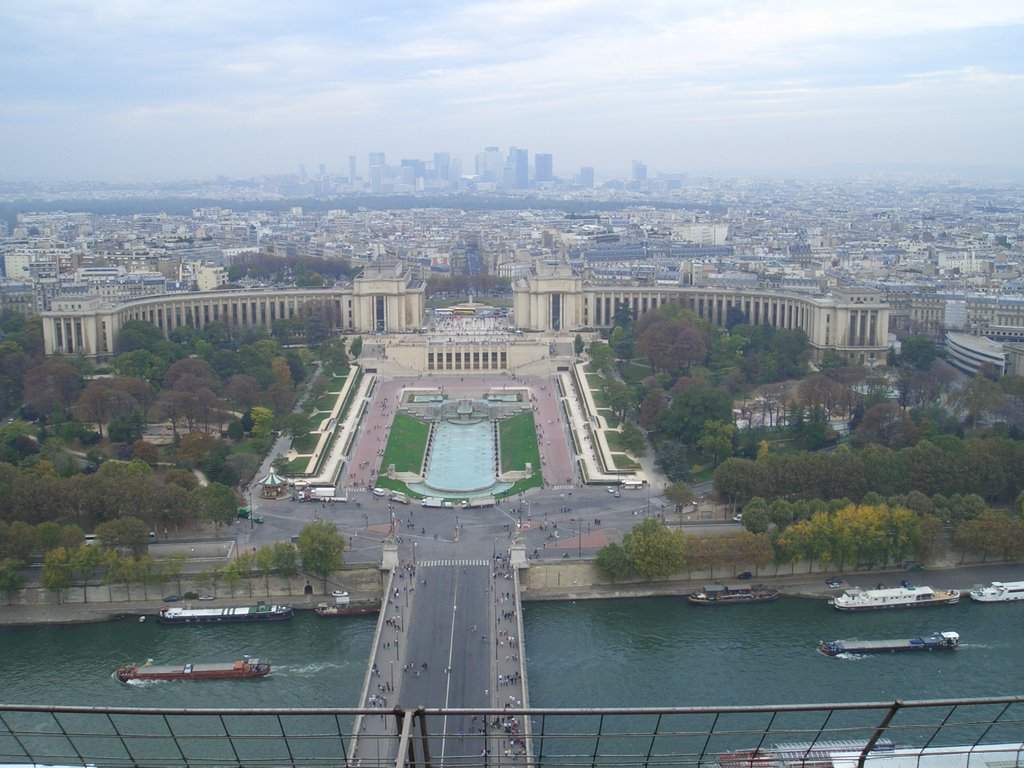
489, 165
543, 167
587, 177
351, 169
442, 166
377, 159
639, 172
519, 163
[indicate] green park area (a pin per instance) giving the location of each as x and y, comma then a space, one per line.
518, 442
407, 444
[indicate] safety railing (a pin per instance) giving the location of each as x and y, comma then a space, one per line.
951, 733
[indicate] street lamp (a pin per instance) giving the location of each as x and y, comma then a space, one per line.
414, 554
392, 675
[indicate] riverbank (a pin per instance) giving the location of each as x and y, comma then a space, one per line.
807, 585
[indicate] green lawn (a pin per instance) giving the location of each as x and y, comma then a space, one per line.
518, 437
633, 373
407, 444
306, 443
614, 440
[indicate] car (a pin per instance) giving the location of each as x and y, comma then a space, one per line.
618, 495
258, 519
745, 576
380, 493
835, 582
610, 489
737, 518
206, 597
171, 598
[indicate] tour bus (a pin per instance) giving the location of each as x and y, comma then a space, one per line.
632, 484
399, 498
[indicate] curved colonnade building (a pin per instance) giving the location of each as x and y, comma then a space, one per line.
853, 322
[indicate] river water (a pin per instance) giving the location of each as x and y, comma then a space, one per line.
591, 653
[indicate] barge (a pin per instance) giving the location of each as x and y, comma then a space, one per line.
259, 612
816, 754
937, 641
718, 594
904, 596
246, 667
345, 606
998, 592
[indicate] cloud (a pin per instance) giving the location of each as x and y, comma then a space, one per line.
577, 76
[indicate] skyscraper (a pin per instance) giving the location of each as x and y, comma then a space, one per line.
488, 165
543, 167
587, 177
639, 172
519, 164
351, 169
442, 166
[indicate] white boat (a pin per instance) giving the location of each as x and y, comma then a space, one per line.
998, 592
905, 596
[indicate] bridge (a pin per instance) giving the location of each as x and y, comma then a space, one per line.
449, 637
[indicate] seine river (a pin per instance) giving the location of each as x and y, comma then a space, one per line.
623, 653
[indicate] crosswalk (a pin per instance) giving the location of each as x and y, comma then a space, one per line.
562, 487
450, 563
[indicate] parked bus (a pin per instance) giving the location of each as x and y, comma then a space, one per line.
463, 311
632, 484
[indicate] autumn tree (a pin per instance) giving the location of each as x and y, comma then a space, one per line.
613, 563
654, 551
320, 547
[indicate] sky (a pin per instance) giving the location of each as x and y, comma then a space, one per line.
187, 89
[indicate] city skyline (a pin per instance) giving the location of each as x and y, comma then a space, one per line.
147, 91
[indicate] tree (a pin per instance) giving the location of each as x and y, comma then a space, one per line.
716, 440
979, 397
10, 576
680, 494
320, 547
633, 439
50, 384
612, 562
918, 351
126, 534
137, 334
578, 345
262, 421
194, 447
654, 551
56, 573
244, 390
355, 349
601, 355
146, 451
95, 404
214, 502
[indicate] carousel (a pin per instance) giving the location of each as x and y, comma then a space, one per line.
272, 486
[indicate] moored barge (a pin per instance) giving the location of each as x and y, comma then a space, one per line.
259, 612
345, 606
718, 594
817, 754
904, 596
936, 641
229, 670
998, 592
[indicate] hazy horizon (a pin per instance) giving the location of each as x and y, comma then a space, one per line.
124, 90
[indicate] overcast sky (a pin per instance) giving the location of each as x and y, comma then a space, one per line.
167, 89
